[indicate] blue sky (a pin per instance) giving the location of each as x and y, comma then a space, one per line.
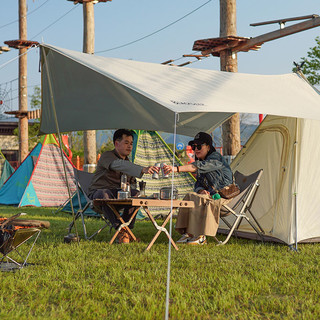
122, 21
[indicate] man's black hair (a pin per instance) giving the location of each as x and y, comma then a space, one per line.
118, 135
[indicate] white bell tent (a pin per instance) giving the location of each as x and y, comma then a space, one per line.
287, 149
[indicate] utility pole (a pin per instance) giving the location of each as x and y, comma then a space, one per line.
228, 45
89, 137
23, 94
229, 62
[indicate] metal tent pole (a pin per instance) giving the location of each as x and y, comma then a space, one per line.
176, 115
296, 185
299, 73
60, 140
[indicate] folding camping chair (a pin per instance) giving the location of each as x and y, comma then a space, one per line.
83, 180
13, 234
240, 206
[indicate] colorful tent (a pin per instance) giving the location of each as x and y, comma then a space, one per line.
150, 148
5, 169
287, 204
39, 180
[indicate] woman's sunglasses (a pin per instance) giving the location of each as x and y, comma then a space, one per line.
197, 146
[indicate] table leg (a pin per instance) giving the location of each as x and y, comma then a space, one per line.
160, 229
123, 224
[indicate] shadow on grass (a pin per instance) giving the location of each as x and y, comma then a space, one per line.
144, 229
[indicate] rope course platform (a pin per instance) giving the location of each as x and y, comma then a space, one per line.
21, 44
215, 45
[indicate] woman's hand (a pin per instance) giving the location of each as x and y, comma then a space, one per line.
204, 192
168, 169
150, 170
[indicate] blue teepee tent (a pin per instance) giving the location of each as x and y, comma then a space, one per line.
39, 180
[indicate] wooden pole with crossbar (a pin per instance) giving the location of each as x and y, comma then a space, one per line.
89, 136
229, 44
229, 62
23, 93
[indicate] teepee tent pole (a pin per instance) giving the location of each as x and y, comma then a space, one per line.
60, 140
173, 152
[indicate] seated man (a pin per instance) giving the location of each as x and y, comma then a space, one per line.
107, 179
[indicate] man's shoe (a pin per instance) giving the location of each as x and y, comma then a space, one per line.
198, 240
123, 237
184, 239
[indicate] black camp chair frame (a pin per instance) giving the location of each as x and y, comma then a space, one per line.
12, 241
241, 205
6, 259
82, 181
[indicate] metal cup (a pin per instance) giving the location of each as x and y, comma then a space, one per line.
164, 175
156, 175
123, 194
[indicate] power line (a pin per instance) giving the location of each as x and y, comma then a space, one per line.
50, 25
151, 34
31, 12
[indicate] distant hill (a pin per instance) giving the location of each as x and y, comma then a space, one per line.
246, 131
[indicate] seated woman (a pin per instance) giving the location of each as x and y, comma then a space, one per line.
213, 173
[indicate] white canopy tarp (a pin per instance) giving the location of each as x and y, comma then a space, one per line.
92, 92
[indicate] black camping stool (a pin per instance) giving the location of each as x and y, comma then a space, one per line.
13, 234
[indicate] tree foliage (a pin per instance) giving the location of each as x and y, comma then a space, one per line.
311, 64
106, 146
35, 102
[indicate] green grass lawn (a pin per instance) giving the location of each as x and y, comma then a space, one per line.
93, 280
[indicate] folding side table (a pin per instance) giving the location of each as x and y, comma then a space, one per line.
114, 204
